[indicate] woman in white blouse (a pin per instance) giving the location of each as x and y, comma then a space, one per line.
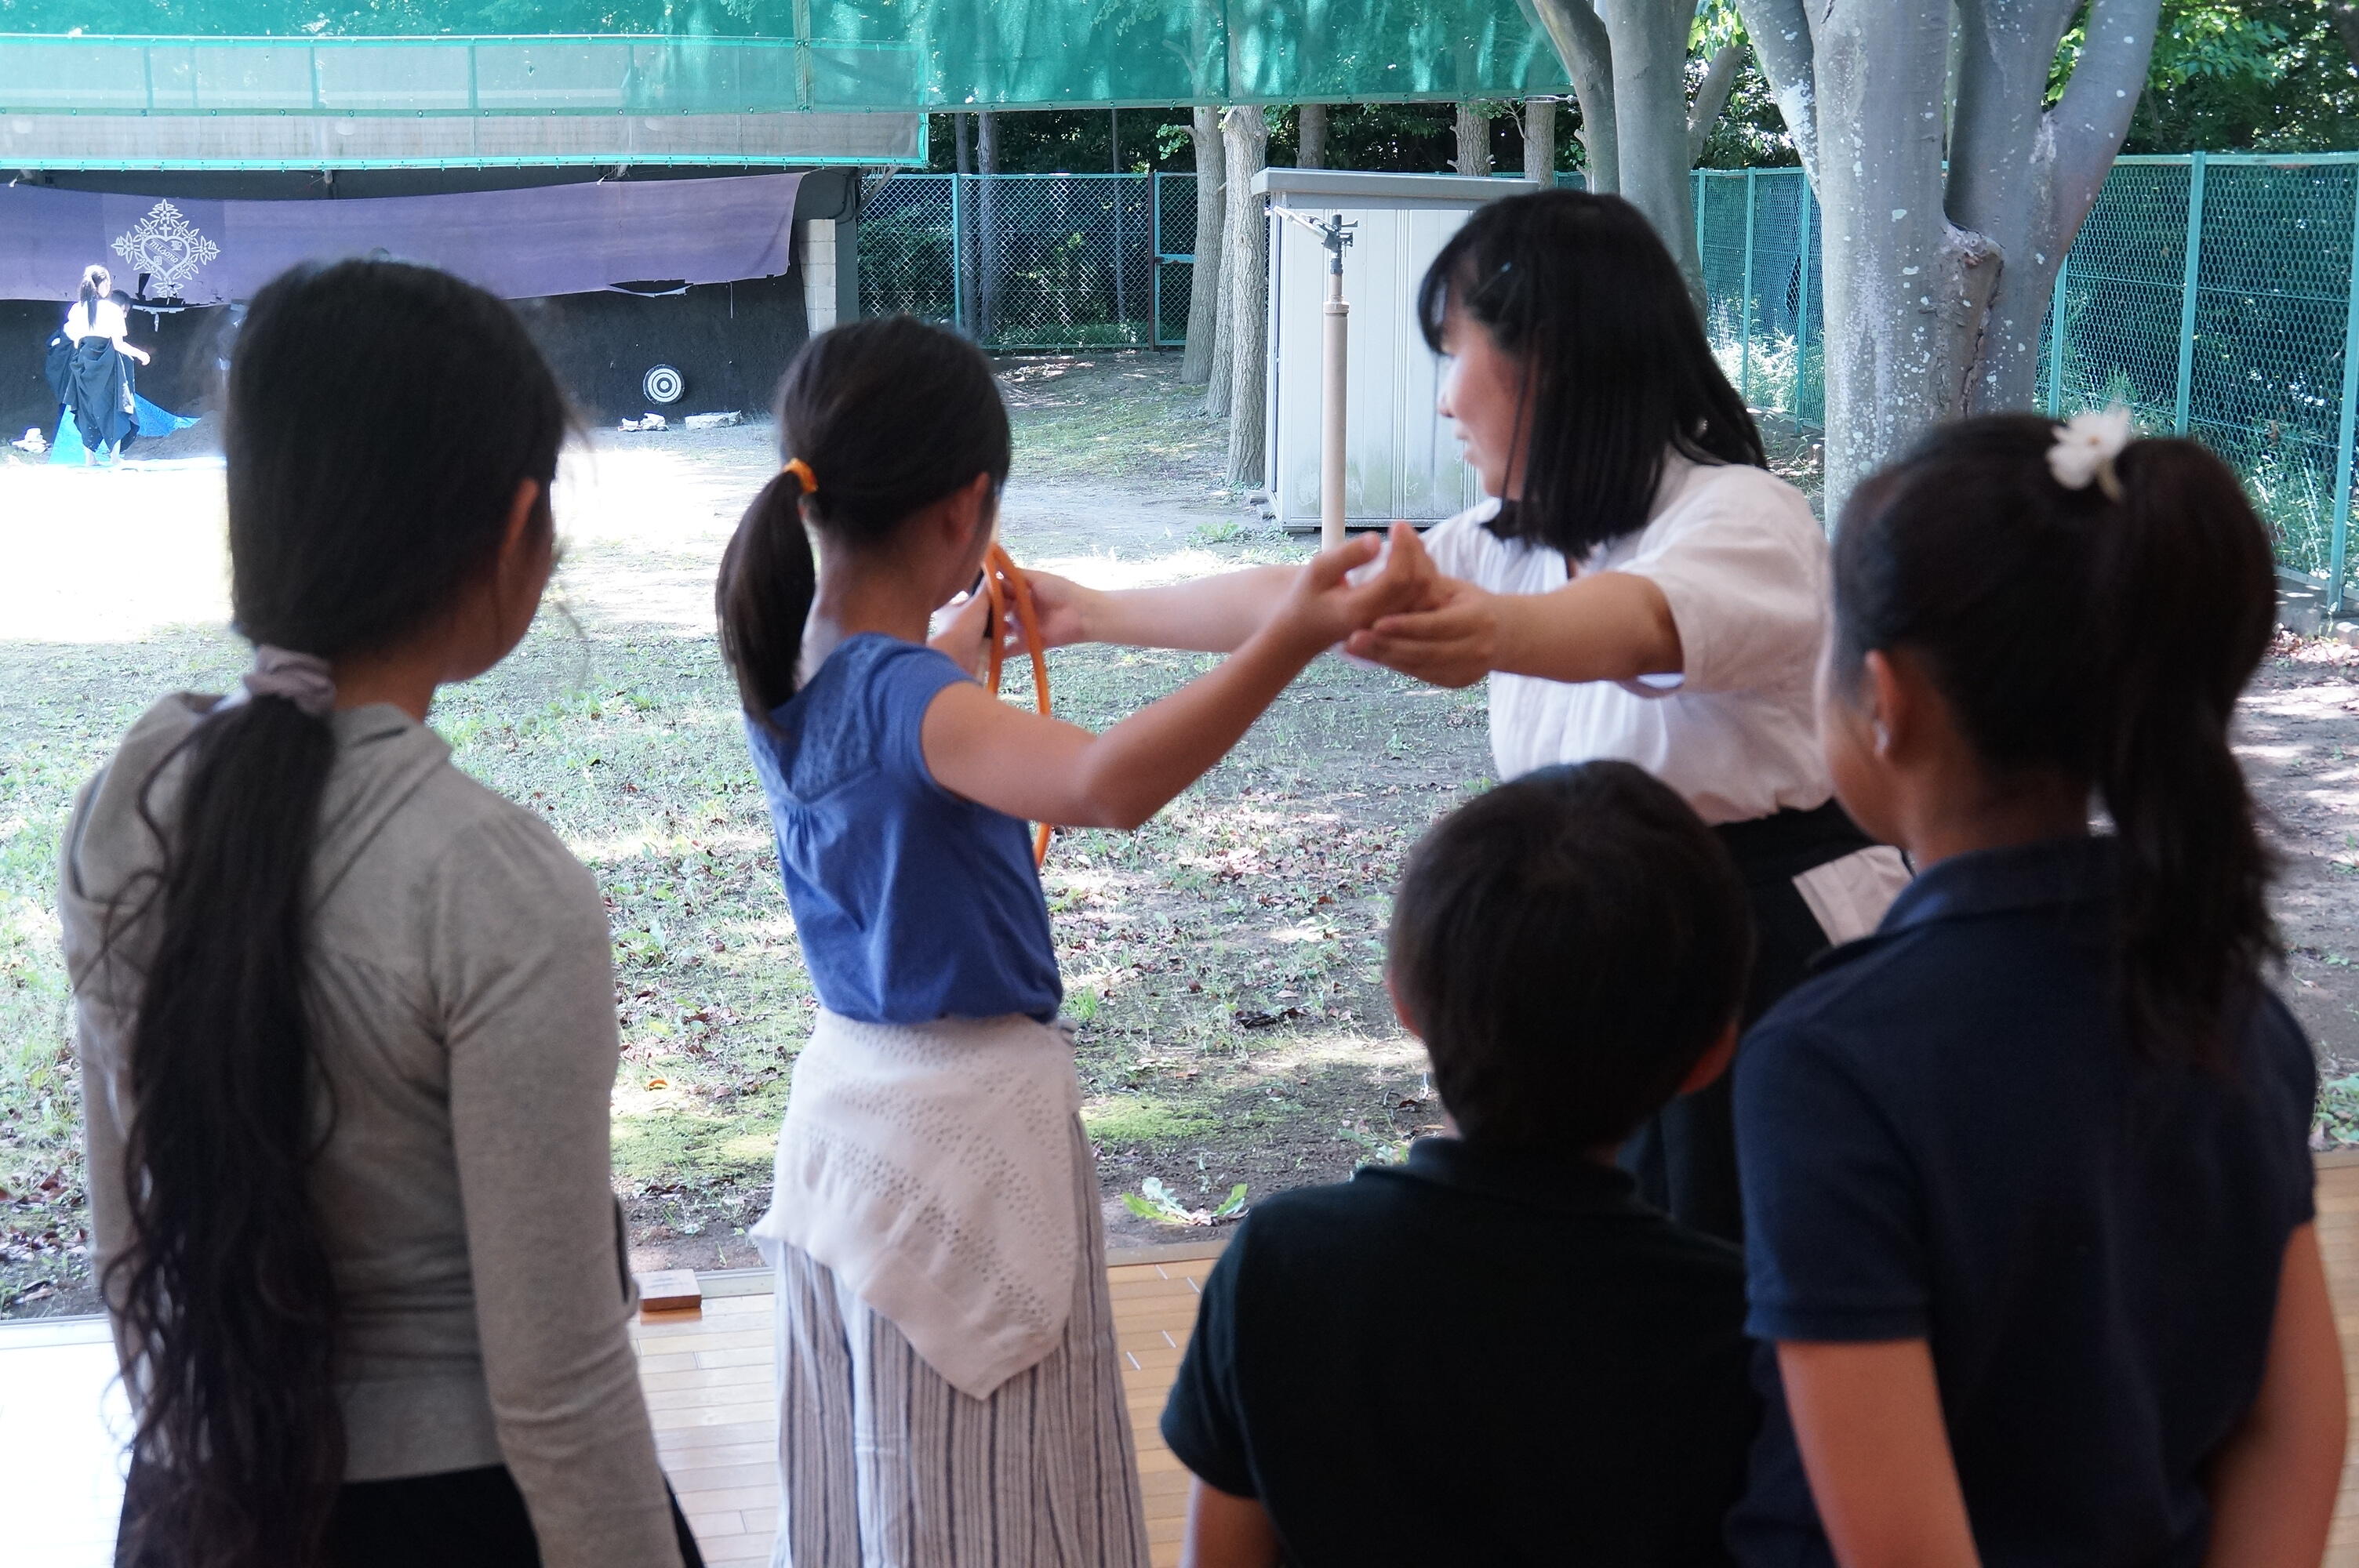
97, 385
1638, 586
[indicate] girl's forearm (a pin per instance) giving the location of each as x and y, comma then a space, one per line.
2273, 1484
1210, 615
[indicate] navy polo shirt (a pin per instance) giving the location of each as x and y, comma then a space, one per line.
1472, 1359
1944, 1135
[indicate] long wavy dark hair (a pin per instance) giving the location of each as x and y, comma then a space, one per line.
2104, 639
381, 419
1580, 290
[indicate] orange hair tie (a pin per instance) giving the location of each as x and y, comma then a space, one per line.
803, 475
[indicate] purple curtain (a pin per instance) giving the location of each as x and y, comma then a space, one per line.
521, 244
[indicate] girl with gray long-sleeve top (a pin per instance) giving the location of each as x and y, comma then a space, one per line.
345, 1015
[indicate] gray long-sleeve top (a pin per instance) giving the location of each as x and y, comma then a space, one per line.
464, 1032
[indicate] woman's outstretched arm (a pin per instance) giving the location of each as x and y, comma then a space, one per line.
1029, 765
1209, 615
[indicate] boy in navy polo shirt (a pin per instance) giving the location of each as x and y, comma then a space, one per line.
1494, 1354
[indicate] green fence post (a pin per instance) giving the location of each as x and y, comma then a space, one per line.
2056, 339
1803, 302
2187, 292
2336, 550
1697, 180
958, 257
1744, 362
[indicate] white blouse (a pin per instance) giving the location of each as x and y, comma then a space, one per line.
100, 318
1744, 565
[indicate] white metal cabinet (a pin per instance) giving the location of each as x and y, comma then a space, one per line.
1399, 460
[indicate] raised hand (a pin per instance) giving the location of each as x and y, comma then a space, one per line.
1335, 595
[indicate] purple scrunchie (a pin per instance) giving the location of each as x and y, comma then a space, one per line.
303, 679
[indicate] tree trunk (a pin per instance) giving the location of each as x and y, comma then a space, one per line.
1247, 134
1205, 273
1310, 136
2346, 22
986, 214
959, 135
1712, 98
1540, 141
1937, 281
1650, 120
1220, 379
1579, 34
1473, 143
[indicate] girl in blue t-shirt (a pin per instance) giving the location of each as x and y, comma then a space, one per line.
948, 1386
2028, 1195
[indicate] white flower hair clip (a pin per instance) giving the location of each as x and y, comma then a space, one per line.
2086, 446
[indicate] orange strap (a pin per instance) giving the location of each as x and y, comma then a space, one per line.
1003, 579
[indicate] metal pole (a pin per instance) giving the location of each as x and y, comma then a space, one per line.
2338, 548
1332, 394
2187, 292
1745, 363
1803, 304
2056, 339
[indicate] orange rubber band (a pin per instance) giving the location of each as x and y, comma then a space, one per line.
802, 473
1003, 579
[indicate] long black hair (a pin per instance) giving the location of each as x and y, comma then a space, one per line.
96, 284
887, 417
1579, 290
381, 419
2106, 641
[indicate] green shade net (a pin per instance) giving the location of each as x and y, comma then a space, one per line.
551, 56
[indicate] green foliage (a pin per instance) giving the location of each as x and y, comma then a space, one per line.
1156, 1202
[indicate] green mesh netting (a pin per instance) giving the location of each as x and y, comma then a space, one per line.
2246, 350
261, 56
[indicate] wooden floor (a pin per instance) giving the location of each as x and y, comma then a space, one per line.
708, 1385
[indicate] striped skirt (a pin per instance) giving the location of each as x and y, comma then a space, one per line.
884, 1465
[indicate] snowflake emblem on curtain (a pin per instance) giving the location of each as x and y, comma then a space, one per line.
167, 247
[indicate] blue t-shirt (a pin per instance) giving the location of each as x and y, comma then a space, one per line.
912, 904
1945, 1135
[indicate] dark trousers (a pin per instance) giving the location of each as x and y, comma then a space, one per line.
1685, 1158
459, 1518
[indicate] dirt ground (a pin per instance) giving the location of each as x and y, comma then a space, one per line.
1222, 964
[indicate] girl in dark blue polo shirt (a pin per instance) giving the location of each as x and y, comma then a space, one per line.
2024, 1172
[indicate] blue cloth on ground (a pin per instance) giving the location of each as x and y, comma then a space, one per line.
1946, 1134
912, 904
149, 421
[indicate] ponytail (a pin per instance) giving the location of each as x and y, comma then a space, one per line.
876, 419
2104, 639
2183, 605
94, 287
764, 596
238, 1417
368, 489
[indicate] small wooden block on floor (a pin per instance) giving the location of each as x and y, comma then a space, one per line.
668, 1292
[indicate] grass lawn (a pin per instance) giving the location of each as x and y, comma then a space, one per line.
1222, 963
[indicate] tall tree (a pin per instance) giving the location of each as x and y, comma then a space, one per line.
1650, 112
1711, 97
1938, 275
1473, 141
1204, 280
1540, 141
988, 248
1310, 136
1246, 132
1579, 34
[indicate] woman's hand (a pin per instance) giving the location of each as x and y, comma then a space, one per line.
1453, 640
1067, 611
139, 354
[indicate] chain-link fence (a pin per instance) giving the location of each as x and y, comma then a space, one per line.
2216, 295
1033, 261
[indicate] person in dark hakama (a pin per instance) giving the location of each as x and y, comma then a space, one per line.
97, 388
